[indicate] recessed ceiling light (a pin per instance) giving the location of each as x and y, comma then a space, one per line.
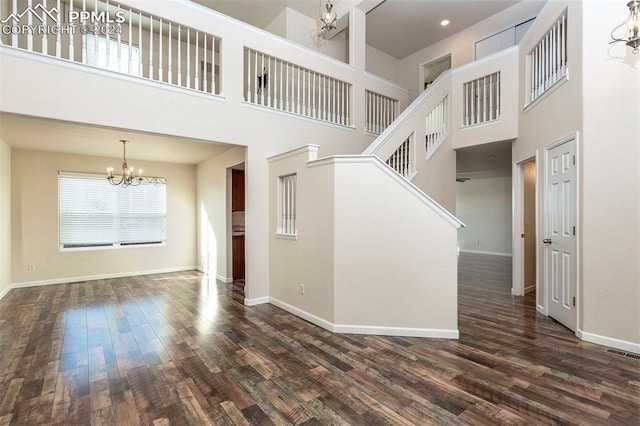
444, 22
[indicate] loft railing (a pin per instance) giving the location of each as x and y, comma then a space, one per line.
437, 126
274, 83
105, 35
402, 160
548, 59
380, 111
481, 100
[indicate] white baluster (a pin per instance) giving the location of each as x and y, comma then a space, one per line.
262, 85
59, 35
197, 63
205, 79
72, 53
44, 46
267, 83
151, 74
170, 56
108, 48
213, 65
140, 67
188, 77
160, 54
179, 80
14, 10
130, 66
30, 23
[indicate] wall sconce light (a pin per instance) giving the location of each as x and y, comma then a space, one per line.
328, 18
631, 27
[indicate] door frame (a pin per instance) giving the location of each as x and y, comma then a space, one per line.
543, 211
518, 287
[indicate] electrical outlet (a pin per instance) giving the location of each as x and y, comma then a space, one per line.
31, 267
301, 288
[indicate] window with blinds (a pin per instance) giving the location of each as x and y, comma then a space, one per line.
94, 213
287, 206
111, 55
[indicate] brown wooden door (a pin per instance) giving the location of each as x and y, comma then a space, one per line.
238, 257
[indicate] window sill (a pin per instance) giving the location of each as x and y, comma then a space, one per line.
110, 247
287, 236
547, 92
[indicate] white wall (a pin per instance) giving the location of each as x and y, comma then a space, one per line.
484, 206
5, 217
374, 256
610, 178
34, 207
383, 65
213, 209
461, 45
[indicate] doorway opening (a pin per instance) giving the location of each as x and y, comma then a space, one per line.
525, 232
431, 70
237, 184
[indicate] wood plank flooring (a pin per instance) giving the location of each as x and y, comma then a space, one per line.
176, 349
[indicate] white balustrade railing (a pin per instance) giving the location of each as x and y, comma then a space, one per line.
437, 126
548, 60
281, 85
380, 111
105, 35
402, 159
481, 99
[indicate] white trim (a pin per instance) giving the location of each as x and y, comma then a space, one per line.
365, 329
288, 114
608, 341
398, 331
69, 280
310, 149
414, 190
225, 280
66, 63
385, 81
293, 237
6, 291
490, 253
256, 301
313, 319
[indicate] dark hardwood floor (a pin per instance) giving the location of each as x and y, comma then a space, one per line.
179, 349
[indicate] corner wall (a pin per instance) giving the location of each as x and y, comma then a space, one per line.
5, 217
213, 208
34, 207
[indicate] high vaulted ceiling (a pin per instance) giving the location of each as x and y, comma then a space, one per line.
396, 27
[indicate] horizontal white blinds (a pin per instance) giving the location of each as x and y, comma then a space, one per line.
92, 212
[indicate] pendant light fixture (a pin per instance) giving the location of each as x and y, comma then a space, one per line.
631, 28
127, 178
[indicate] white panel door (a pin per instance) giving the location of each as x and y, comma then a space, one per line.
560, 233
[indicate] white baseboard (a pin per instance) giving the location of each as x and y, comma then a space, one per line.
5, 292
397, 331
609, 341
225, 280
313, 319
256, 301
490, 253
362, 329
100, 277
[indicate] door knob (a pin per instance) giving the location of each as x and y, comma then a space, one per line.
547, 241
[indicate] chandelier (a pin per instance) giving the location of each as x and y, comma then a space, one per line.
127, 178
328, 18
631, 26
